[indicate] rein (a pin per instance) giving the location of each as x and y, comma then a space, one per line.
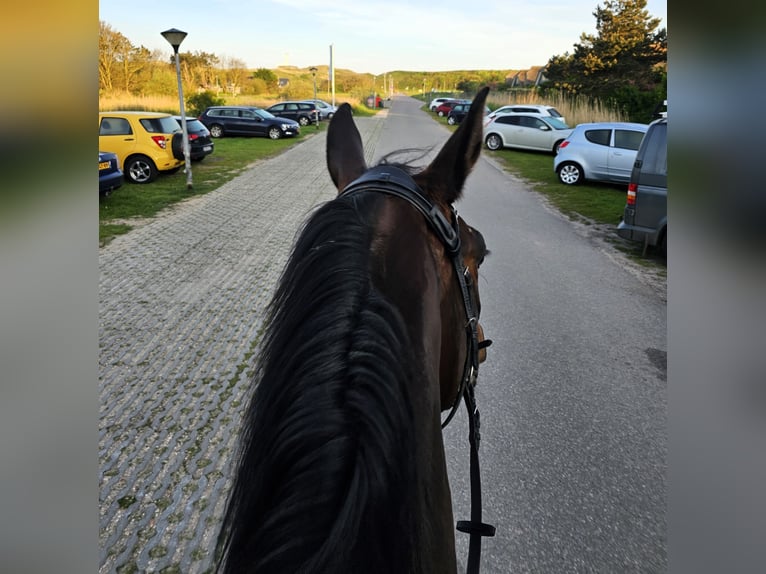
395, 181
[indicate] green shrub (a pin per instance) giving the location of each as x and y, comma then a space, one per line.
198, 102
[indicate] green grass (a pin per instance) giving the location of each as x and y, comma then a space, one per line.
586, 203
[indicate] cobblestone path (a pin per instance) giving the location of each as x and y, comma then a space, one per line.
182, 301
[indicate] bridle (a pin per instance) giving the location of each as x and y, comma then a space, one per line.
394, 181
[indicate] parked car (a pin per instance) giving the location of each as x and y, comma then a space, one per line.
200, 142
541, 109
436, 102
326, 111
110, 175
603, 151
646, 212
459, 111
246, 121
526, 131
445, 108
304, 113
143, 142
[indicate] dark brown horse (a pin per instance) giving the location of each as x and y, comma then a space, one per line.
341, 466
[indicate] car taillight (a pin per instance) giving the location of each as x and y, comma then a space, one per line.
564, 144
632, 194
193, 137
160, 141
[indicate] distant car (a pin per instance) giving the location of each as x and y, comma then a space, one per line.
200, 142
109, 173
247, 121
436, 102
326, 111
541, 109
304, 113
645, 217
143, 141
445, 108
603, 151
459, 111
526, 131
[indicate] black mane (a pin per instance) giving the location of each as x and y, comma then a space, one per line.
325, 467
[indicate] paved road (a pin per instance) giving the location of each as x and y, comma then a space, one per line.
573, 396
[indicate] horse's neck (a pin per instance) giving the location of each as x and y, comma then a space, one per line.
416, 293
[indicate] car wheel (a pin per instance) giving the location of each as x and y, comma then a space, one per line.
451, 120
177, 144
664, 243
216, 131
140, 169
556, 146
330, 115
494, 142
304, 121
570, 173
440, 114
275, 133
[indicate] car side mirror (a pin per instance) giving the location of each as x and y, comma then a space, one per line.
545, 128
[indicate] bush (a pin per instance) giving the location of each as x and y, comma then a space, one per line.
198, 102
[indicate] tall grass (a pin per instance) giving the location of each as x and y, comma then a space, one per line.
169, 104
576, 109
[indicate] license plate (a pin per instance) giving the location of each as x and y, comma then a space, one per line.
103, 165
207, 148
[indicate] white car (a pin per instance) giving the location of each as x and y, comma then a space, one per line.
436, 102
541, 109
526, 131
326, 111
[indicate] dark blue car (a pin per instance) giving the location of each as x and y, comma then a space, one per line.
109, 173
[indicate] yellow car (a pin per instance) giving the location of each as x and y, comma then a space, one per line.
144, 142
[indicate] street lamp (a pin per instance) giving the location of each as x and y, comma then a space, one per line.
174, 38
313, 71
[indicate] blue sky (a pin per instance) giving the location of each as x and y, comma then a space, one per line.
373, 36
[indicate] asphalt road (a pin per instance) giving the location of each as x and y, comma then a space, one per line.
572, 397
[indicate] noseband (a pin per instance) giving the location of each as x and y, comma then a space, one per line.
394, 181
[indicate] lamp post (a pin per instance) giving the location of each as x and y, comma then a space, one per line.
174, 38
313, 71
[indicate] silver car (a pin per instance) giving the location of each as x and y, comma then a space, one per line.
603, 151
525, 131
326, 110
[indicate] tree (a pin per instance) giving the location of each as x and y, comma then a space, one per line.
111, 45
626, 57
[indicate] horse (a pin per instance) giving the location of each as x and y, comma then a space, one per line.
341, 465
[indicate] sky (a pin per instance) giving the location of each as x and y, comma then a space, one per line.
372, 36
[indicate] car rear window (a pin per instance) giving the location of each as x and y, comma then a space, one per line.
628, 139
600, 137
166, 125
656, 152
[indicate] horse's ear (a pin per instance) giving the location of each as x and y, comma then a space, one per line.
345, 153
446, 174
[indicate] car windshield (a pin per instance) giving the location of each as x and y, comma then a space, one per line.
264, 114
557, 124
